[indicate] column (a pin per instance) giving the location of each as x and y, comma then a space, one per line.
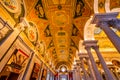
85, 73
87, 47
114, 38
74, 75
77, 77
91, 70
107, 72
79, 74
28, 67
4, 48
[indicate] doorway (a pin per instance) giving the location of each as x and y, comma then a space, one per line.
13, 76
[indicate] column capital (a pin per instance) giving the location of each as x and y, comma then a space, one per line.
90, 43
83, 55
106, 19
115, 23
95, 47
102, 24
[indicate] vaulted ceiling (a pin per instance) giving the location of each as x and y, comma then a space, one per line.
60, 24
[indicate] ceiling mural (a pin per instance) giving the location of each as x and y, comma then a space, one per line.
56, 26
40, 10
32, 33
114, 4
89, 3
40, 47
55, 2
60, 18
79, 8
73, 44
11, 5
47, 32
15, 8
60, 24
74, 30
54, 52
51, 44
29, 5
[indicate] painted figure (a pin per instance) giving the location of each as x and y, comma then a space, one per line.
40, 10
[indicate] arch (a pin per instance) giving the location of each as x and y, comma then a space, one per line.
96, 6
89, 30
62, 63
117, 59
116, 62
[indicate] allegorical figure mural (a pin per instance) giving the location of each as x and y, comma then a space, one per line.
79, 8
39, 10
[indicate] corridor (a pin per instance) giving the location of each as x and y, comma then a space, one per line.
59, 39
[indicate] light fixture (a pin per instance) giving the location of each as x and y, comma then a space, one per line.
63, 69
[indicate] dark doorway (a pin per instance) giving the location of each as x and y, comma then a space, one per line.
13, 76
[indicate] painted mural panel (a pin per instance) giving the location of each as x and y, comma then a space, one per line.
32, 33
35, 71
15, 8
74, 30
33, 36
40, 47
15, 66
47, 32
79, 8
40, 10
60, 18
10, 5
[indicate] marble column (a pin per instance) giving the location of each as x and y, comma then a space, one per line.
78, 73
91, 70
105, 21
94, 66
83, 68
79, 67
106, 70
115, 23
113, 37
74, 74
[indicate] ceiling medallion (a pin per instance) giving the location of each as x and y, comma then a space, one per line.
59, 7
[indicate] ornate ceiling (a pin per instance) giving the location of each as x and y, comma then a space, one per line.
60, 24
